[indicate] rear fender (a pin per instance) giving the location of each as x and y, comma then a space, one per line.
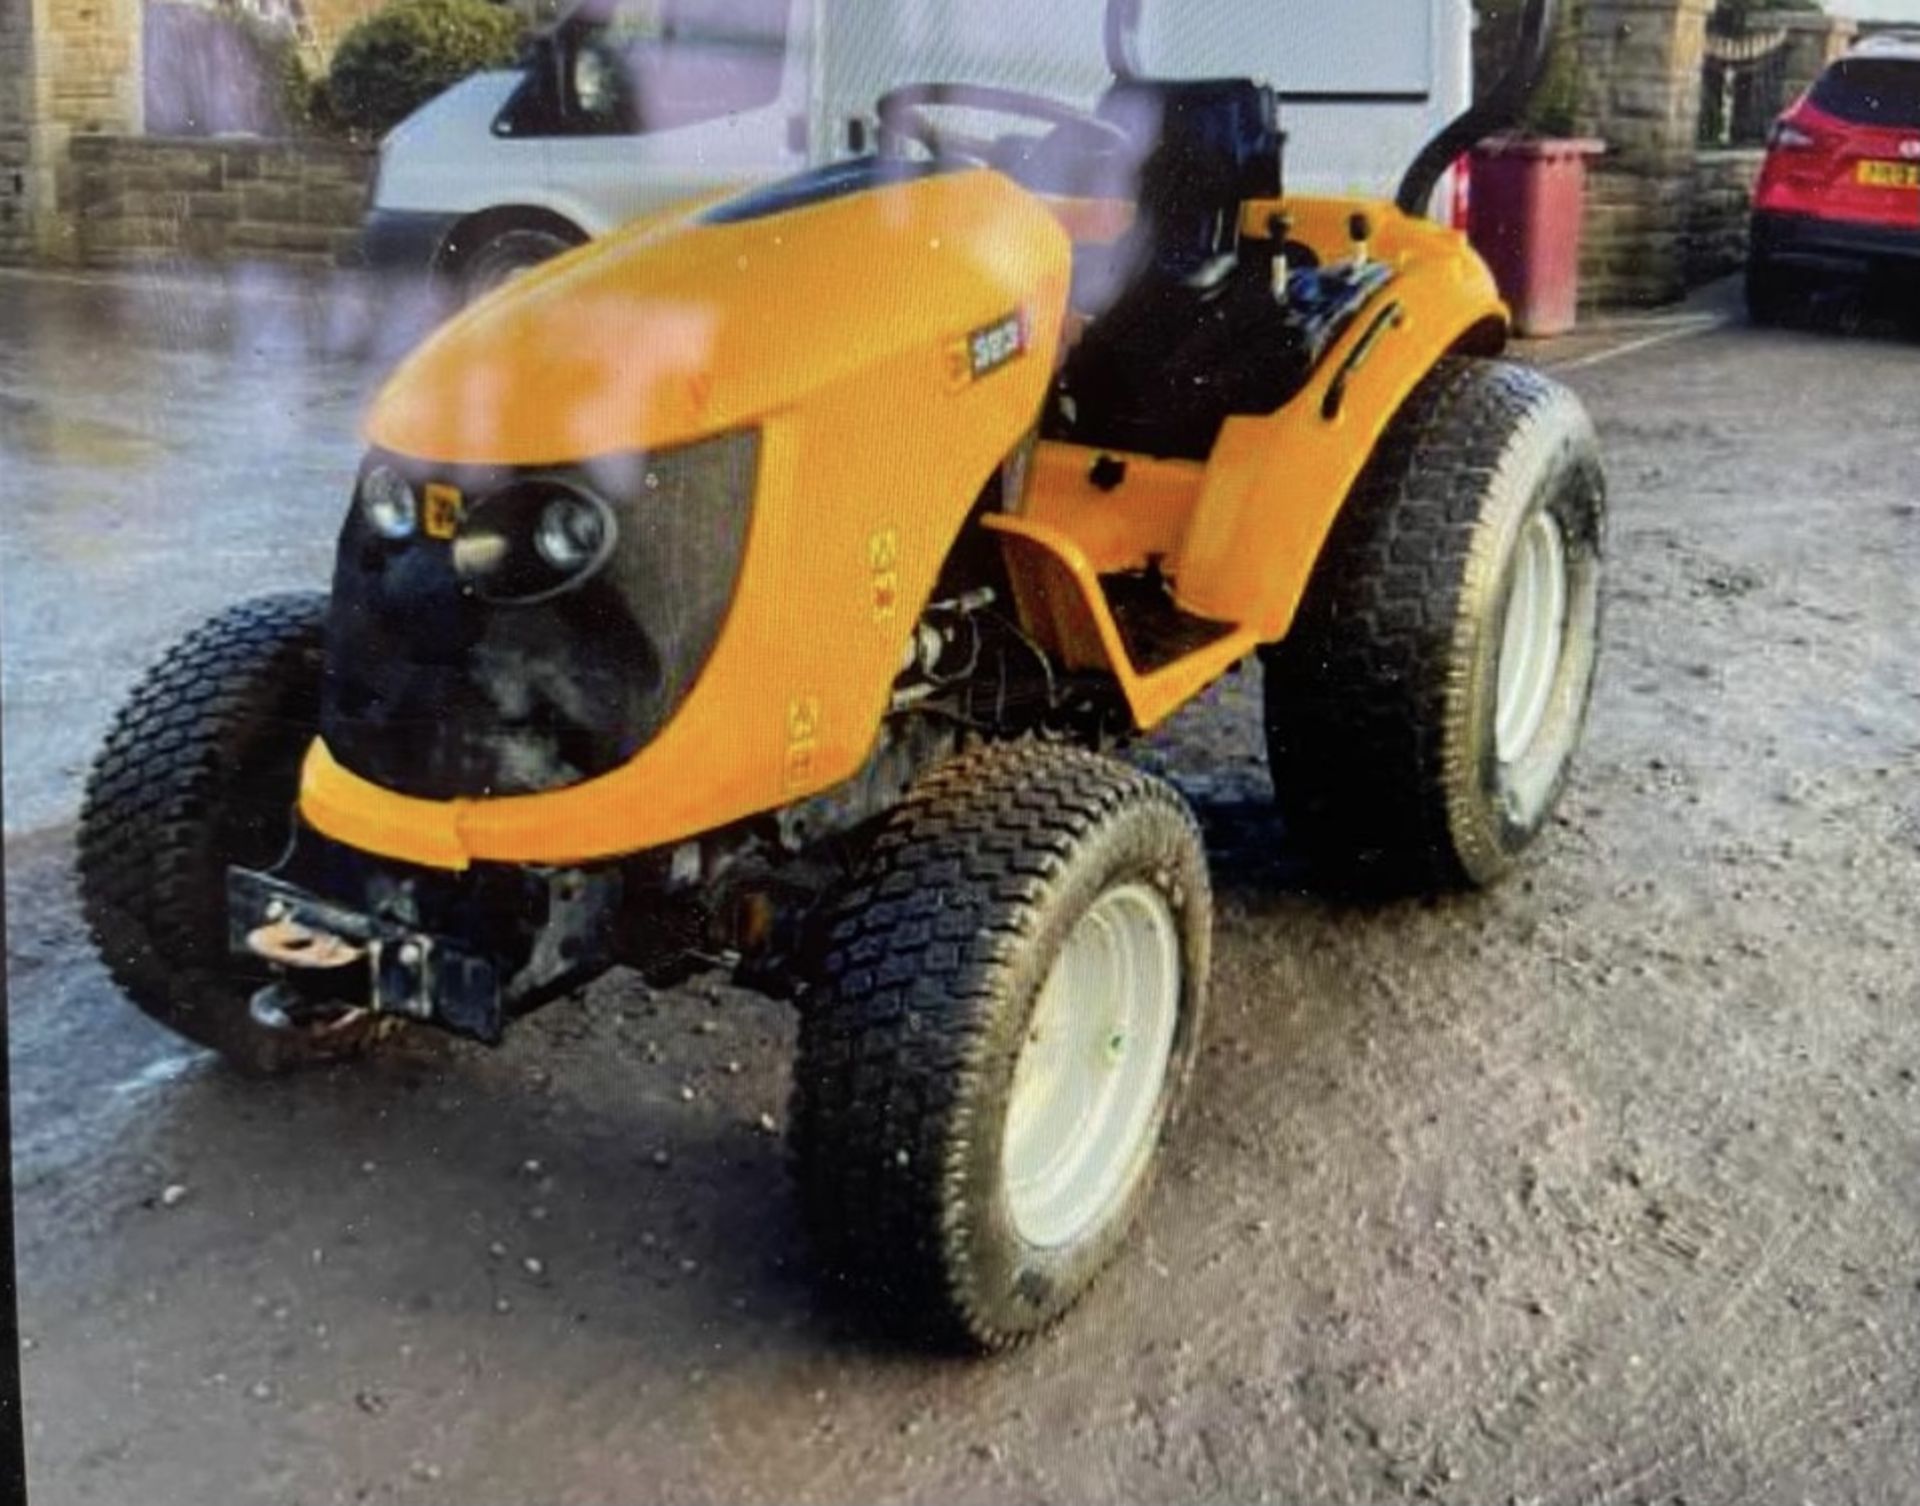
1275, 484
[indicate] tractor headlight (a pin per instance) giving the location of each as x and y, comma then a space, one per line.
534, 539
571, 532
388, 503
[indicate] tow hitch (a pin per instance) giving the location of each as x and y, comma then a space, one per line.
327, 956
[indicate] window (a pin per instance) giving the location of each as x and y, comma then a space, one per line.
1872, 91
652, 65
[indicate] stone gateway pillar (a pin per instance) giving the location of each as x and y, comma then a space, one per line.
16, 118
1640, 66
67, 68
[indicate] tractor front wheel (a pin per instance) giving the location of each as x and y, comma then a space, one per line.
1423, 712
200, 771
1008, 1013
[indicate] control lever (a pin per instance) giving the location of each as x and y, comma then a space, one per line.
1280, 231
1360, 227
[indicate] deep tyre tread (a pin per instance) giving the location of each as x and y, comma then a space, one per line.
932, 964
200, 770
1381, 701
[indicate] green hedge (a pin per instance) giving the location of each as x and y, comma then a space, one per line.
397, 59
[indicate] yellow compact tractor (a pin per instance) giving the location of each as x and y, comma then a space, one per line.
771, 584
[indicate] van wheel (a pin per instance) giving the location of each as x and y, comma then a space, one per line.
1423, 713
1008, 1013
497, 261
200, 771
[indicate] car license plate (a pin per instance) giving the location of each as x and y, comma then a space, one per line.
1890, 174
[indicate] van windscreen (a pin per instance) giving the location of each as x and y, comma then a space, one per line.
653, 65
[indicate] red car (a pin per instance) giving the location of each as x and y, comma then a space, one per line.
1840, 193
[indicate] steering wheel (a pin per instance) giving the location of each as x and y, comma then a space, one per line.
904, 118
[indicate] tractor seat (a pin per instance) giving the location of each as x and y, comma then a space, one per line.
1207, 147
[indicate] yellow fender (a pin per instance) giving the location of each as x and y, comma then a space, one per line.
1239, 535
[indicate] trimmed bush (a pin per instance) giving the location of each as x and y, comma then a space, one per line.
397, 59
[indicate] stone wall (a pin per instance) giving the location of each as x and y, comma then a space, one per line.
16, 118
1721, 199
1642, 59
71, 67
152, 199
89, 64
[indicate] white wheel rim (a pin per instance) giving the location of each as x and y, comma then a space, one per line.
1082, 1116
1533, 638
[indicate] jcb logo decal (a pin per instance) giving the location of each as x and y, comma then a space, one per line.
442, 512
883, 559
804, 720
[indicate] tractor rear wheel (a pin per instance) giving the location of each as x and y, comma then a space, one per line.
200, 771
1423, 713
1008, 1013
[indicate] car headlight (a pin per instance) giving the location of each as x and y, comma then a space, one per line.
388, 503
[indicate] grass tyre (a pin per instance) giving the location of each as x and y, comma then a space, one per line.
200, 771
1008, 1013
1422, 715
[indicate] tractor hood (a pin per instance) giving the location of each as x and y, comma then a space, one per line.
679, 500
708, 318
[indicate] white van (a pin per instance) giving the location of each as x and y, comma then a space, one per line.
625, 105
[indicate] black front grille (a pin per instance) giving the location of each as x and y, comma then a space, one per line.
433, 692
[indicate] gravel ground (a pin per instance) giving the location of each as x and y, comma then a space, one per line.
1600, 1188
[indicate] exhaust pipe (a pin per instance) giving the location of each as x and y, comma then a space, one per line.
1503, 107
1122, 38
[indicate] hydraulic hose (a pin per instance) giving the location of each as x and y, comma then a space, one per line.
1123, 38
1503, 106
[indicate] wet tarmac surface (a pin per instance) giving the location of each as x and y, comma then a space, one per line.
1596, 1189
171, 443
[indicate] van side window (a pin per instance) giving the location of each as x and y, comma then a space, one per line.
652, 65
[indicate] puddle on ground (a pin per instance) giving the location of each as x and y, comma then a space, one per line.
31, 430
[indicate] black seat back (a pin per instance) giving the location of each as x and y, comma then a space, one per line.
1206, 147
1174, 314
